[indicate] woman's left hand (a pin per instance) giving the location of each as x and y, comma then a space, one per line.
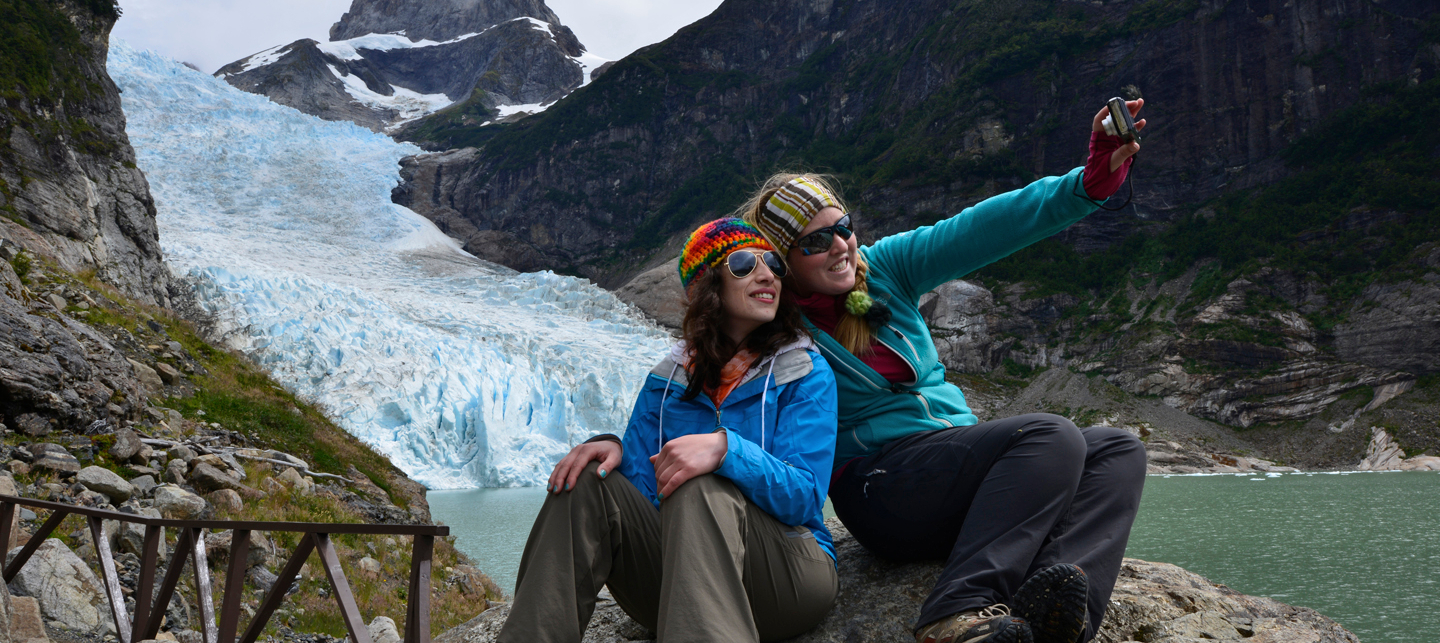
686, 457
1117, 158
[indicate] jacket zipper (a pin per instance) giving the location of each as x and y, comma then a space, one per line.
924, 404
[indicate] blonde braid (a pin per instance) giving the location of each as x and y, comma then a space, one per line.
853, 332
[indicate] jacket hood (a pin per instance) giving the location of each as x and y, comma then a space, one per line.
678, 361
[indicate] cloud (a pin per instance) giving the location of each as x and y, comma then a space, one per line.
214, 33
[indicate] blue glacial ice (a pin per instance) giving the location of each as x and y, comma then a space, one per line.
462, 372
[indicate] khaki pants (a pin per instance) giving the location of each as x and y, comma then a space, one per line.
708, 566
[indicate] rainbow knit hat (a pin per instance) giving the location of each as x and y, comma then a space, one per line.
711, 243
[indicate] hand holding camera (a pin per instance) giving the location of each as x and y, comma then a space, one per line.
1117, 118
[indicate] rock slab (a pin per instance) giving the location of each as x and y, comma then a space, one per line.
69, 594
879, 601
105, 481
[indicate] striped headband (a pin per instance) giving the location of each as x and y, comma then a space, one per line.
711, 243
791, 209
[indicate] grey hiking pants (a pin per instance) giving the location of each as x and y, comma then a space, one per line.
708, 566
998, 502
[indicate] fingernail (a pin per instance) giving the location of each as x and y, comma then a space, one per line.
548, 487
660, 496
602, 473
567, 486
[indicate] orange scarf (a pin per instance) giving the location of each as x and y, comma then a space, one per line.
730, 375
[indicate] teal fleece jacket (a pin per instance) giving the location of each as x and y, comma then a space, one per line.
905, 266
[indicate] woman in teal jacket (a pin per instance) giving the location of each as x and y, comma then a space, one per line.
1030, 513
713, 531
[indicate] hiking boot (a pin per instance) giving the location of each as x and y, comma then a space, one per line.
993, 624
1054, 603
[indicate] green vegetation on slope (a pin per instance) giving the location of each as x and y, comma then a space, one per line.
42, 57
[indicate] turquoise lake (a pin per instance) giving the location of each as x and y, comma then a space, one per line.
1362, 548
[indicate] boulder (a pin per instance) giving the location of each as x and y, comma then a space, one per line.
175, 471
105, 481
176, 503
143, 485
130, 537
382, 630
127, 445
54, 458
167, 373
181, 453
657, 293
369, 565
69, 594
147, 376
226, 500
879, 601
32, 424
26, 623
207, 478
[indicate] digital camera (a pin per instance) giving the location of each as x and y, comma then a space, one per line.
1119, 122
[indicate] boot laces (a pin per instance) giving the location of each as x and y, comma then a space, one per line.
993, 611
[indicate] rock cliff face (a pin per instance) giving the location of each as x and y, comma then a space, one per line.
879, 601
390, 62
69, 188
71, 200
924, 109
434, 19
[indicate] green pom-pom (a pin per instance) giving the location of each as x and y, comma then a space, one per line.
858, 303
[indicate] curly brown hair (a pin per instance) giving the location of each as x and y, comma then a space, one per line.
710, 348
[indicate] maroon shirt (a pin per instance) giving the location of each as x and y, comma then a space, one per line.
825, 311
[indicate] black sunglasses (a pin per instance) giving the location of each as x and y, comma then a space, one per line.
742, 262
820, 240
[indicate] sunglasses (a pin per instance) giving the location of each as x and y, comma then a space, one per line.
820, 240
742, 262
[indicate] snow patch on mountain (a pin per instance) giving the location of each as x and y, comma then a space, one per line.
349, 49
462, 372
410, 104
266, 57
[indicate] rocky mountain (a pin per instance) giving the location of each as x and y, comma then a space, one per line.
69, 188
389, 62
922, 108
1275, 269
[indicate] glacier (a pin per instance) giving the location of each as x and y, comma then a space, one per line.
464, 373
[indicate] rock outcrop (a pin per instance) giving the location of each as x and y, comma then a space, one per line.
390, 62
69, 187
879, 600
927, 109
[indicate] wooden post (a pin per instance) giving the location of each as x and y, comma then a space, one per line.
234, 585
167, 586
279, 589
145, 586
202, 587
112, 579
7, 521
417, 613
359, 633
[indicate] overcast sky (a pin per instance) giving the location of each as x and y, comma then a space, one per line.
213, 33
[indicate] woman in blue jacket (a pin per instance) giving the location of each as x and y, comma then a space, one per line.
1029, 512
713, 530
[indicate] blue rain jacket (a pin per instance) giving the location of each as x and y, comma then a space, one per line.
780, 425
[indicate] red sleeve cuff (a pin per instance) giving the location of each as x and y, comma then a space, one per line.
1100, 182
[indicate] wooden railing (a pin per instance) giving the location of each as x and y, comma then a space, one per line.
190, 542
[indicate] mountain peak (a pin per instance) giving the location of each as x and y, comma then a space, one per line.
434, 19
